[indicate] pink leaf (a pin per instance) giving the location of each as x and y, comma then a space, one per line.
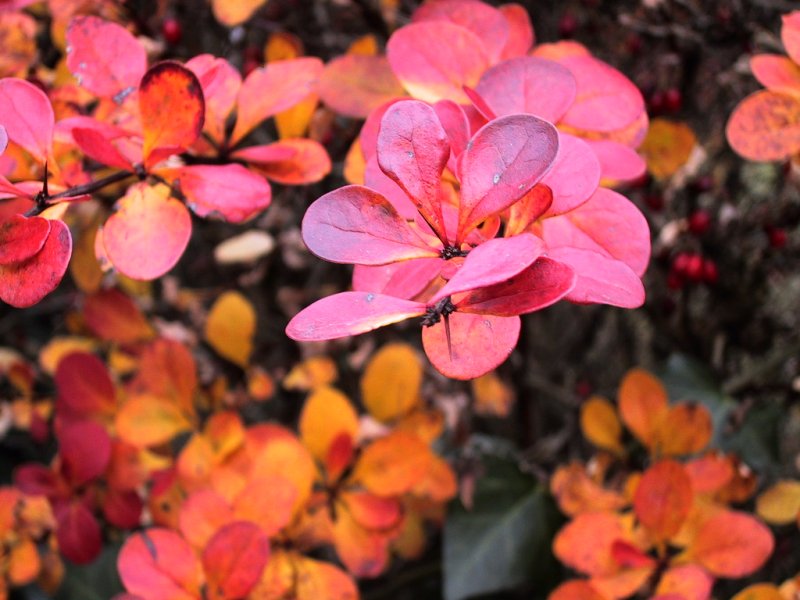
105, 58
405, 279
776, 72
413, 150
617, 161
305, 161
22, 237
354, 224
600, 279
790, 35
368, 136
544, 283
24, 283
3, 139
575, 174
478, 344
528, 84
350, 313
455, 124
221, 84
495, 261
520, 31
434, 60
234, 560
355, 85
375, 179
27, 115
505, 159
609, 224
230, 191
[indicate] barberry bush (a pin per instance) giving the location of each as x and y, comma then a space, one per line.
224, 225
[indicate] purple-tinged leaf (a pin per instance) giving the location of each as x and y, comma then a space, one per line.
355, 225
230, 191
350, 313
22, 237
575, 174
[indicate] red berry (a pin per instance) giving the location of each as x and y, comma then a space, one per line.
674, 280
634, 43
654, 201
699, 222
673, 100
172, 31
583, 388
568, 25
655, 103
694, 268
249, 65
777, 237
252, 53
680, 263
710, 272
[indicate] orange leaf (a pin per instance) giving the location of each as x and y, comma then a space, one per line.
230, 327
577, 493
282, 45
709, 473
493, 396
392, 465
642, 400
326, 415
766, 126
24, 563
234, 560
391, 382
600, 424
293, 122
292, 575
355, 84
172, 109
235, 13
732, 544
689, 582
585, 544
663, 499
294, 161
576, 590
685, 428
780, 504
202, 515
371, 512
167, 370
759, 591
311, 374
148, 421
364, 552
113, 316
776, 73
667, 147
439, 482
268, 502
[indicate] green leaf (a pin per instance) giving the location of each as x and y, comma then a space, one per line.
504, 541
96, 581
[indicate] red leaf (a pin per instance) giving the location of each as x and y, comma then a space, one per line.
105, 57
629, 556
435, 60
609, 224
606, 100
506, 158
544, 283
305, 161
231, 191
574, 176
111, 315
24, 283
350, 313
413, 149
158, 564
97, 147
148, 233
353, 224
122, 509
272, 89
617, 161
600, 279
27, 116
479, 344
234, 560
495, 261
38, 480
172, 109
354, 84
78, 533
523, 213
732, 544
85, 448
22, 237
84, 386
663, 498
528, 84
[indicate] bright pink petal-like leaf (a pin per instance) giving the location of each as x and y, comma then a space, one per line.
159, 563
520, 31
455, 124
413, 149
368, 136
575, 174
355, 84
97, 147
24, 283
356, 225
776, 72
600, 279
148, 233
609, 224
272, 89
542, 284
22, 237
104, 57
528, 209
84, 386
434, 60
27, 116
528, 84
606, 100
790, 35
234, 559
484, 21
617, 161
85, 449
78, 533
172, 110
306, 161
480, 105
405, 279
495, 261
350, 313
231, 192
221, 84
506, 158
375, 179
478, 344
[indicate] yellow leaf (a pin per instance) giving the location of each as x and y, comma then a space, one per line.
759, 591
326, 415
780, 504
493, 397
148, 421
235, 12
600, 424
366, 45
85, 270
59, 347
667, 147
230, 328
282, 46
310, 374
391, 381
